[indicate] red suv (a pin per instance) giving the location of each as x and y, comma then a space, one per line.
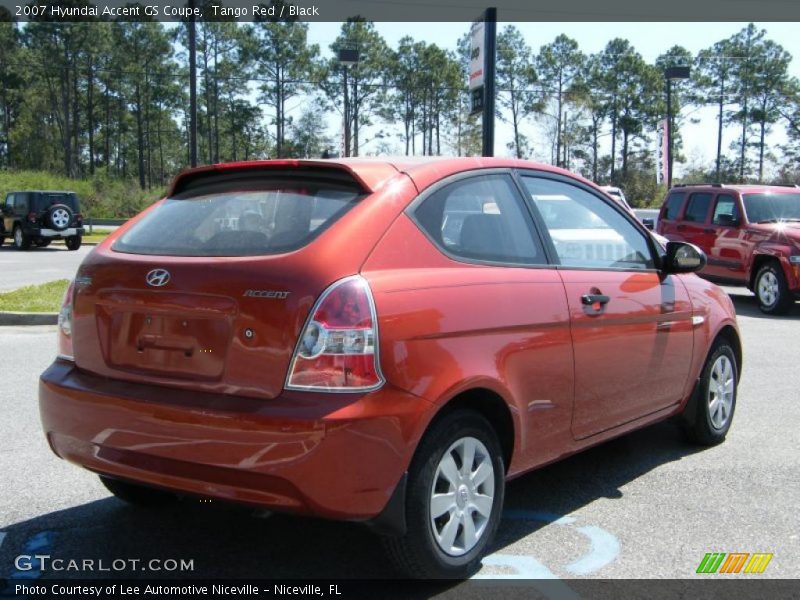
750, 234
380, 341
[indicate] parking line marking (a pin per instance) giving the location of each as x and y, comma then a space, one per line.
605, 548
40, 542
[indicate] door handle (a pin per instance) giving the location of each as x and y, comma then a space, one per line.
681, 227
593, 299
709, 230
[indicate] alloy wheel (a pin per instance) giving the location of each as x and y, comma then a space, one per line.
768, 289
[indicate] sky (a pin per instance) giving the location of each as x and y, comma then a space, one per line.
649, 39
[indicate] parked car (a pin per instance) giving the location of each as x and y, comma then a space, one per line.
385, 341
617, 194
750, 233
39, 217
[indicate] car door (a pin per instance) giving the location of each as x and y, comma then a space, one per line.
668, 216
694, 227
631, 326
506, 317
728, 248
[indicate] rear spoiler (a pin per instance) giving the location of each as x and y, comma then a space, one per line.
369, 179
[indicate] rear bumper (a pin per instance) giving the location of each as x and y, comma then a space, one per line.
335, 456
53, 234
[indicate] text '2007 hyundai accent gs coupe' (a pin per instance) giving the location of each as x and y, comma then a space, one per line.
385, 341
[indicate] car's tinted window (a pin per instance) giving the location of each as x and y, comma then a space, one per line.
43, 201
725, 210
674, 203
10, 201
241, 218
585, 230
481, 218
697, 209
771, 207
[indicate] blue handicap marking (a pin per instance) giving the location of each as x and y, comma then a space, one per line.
604, 549
37, 544
523, 567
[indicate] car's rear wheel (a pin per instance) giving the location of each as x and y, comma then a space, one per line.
21, 241
454, 499
774, 297
73, 242
709, 414
137, 495
42, 243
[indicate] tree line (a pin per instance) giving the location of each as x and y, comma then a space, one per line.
110, 98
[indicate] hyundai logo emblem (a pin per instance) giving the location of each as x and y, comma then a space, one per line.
157, 277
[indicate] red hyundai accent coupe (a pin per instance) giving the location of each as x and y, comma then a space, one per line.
386, 341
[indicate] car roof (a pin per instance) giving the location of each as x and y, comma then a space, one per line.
742, 188
373, 173
40, 192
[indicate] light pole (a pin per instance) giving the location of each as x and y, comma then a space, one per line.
671, 73
347, 57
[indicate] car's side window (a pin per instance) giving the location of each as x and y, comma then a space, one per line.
10, 202
674, 203
697, 209
481, 218
586, 231
726, 212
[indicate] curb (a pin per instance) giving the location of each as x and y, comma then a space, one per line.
28, 318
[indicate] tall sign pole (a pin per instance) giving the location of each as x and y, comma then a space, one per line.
482, 75
488, 90
192, 87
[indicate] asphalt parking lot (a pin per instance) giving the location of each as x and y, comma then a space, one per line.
38, 265
643, 506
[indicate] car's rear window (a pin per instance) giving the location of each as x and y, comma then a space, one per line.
241, 217
45, 200
674, 203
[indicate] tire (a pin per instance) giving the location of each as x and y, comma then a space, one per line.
709, 413
21, 241
42, 243
772, 293
138, 495
418, 553
73, 242
59, 216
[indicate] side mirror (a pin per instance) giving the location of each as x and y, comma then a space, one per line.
649, 222
683, 258
727, 220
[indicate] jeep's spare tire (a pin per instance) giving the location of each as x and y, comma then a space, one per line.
59, 216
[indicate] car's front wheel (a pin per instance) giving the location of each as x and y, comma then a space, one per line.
454, 499
21, 241
137, 495
73, 242
709, 414
774, 297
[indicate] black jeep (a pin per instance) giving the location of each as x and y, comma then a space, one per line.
39, 217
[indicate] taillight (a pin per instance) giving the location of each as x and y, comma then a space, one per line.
65, 325
79, 218
338, 347
32, 217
